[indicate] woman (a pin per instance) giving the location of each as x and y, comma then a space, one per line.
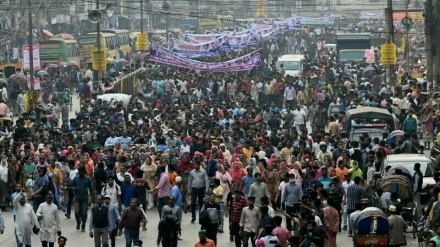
95, 142
28, 170
4, 184
428, 127
183, 169
271, 179
149, 169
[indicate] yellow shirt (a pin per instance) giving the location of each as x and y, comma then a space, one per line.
58, 178
248, 152
218, 192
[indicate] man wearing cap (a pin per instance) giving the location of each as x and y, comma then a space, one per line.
113, 219
204, 241
398, 228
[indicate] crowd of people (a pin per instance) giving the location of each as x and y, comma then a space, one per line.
232, 150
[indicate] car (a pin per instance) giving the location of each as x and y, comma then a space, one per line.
407, 161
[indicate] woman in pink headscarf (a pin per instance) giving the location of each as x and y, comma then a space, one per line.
283, 166
237, 171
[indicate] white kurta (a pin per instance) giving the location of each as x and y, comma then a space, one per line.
50, 222
24, 221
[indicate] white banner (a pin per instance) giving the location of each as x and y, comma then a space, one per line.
36, 57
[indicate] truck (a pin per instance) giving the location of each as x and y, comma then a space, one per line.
350, 47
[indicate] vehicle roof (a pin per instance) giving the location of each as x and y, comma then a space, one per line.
291, 57
365, 112
407, 157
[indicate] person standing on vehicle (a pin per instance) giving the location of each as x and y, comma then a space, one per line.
417, 186
398, 227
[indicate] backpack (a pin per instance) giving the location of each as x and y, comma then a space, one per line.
117, 189
204, 219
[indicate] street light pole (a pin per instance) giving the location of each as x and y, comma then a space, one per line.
31, 50
142, 16
98, 29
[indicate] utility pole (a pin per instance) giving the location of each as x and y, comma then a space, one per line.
436, 36
390, 39
197, 16
408, 27
329, 3
31, 48
429, 47
142, 16
98, 30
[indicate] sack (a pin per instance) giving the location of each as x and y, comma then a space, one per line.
204, 219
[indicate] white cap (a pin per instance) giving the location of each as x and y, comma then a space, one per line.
178, 179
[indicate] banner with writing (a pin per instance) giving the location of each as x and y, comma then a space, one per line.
160, 54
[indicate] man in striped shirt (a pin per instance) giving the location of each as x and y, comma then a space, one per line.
354, 195
238, 203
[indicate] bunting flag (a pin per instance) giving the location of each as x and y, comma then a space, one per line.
160, 54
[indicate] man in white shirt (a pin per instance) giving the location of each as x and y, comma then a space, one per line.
269, 240
347, 183
299, 117
289, 96
113, 191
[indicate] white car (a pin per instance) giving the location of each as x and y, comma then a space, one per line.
407, 161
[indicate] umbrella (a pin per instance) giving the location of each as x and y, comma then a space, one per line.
63, 64
42, 73
52, 65
368, 71
18, 75
122, 60
72, 63
64, 36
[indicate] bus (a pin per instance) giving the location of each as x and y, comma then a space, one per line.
208, 24
123, 37
88, 43
59, 50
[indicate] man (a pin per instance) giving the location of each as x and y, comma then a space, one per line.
269, 240
175, 210
127, 191
49, 221
247, 181
417, 186
213, 213
258, 190
163, 189
436, 238
398, 228
62, 241
25, 220
300, 117
353, 216
354, 195
347, 183
325, 180
280, 232
130, 220
113, 191
250, 216
431, 243
82, 185
238, 204
292, 194
331, 223
113, 219
218, 192
40, 187
2, 223
199, 183
98, 225
175, 192
204, 241
169, 229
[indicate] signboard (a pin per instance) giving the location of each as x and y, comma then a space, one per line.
35, 58
388, 54
371, 240
36, 85
142, 42
99, 60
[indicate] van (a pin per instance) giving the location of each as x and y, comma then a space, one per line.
293, 64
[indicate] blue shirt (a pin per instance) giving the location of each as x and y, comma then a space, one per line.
247, 182
128, 194
325, 181
113, 215
175, 191
125, 141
